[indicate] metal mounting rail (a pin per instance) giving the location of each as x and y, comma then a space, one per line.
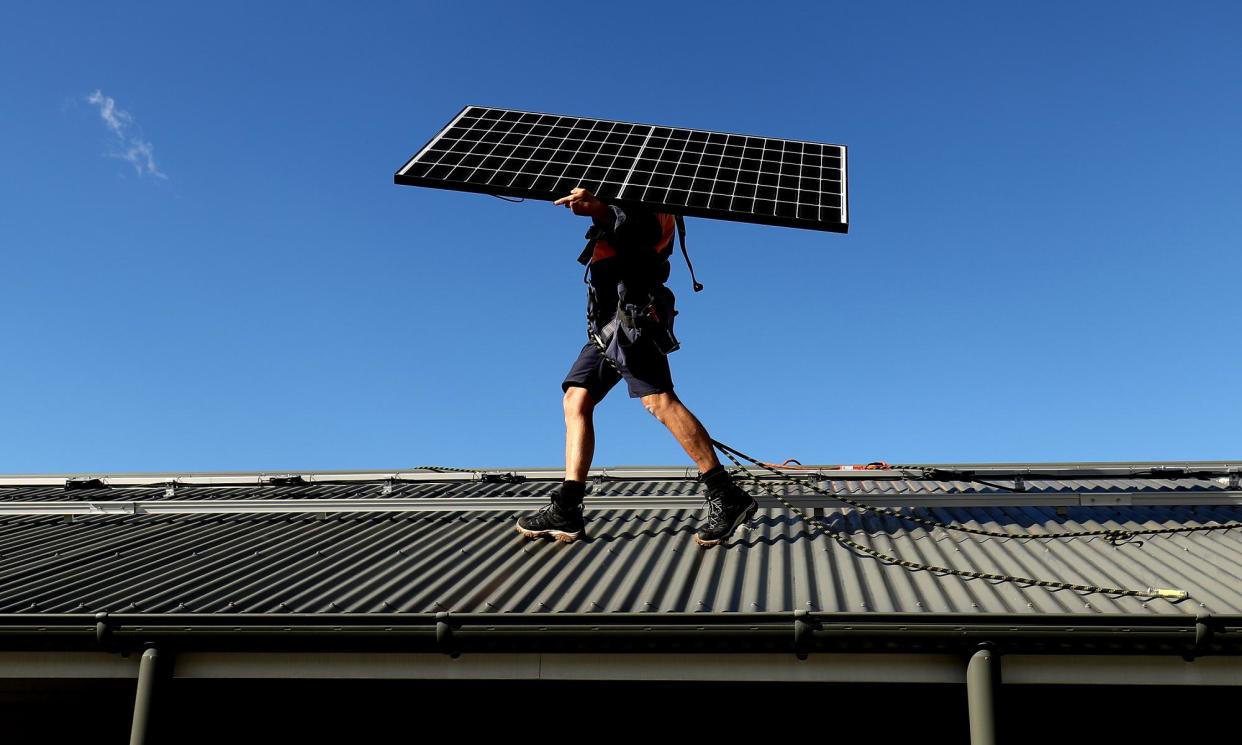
694, 501
277, 506
102, 508
1225, 473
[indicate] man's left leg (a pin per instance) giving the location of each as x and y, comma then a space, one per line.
728, 505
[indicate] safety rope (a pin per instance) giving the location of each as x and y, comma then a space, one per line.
836, 535
1114, 536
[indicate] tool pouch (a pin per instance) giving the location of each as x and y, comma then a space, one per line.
652, 320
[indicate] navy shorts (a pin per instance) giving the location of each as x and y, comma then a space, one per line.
646, 372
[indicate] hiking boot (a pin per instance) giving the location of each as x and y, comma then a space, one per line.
727, 510
562, 522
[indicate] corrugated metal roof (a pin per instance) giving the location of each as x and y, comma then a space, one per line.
636, 560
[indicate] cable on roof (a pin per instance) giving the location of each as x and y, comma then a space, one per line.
1149, 592
510, 199
939, 474
793, 464
491, 478
1172, 473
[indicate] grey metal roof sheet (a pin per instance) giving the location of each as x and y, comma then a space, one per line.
636, 560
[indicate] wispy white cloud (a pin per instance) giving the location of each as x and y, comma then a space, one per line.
131, 148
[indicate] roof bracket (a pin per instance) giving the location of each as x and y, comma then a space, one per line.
103, 631
1019, 484
804, 627
1203, 635
444, 636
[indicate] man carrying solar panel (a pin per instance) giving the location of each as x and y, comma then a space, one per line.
631, 320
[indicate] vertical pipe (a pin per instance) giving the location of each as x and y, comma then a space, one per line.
982, 676
142, 701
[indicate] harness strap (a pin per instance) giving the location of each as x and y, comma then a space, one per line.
592, 235
681, 238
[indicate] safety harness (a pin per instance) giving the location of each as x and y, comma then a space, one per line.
595, 233
645, 307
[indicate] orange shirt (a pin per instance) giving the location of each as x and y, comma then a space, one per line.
668, 226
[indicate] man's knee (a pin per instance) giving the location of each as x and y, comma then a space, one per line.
578, 402
660, 404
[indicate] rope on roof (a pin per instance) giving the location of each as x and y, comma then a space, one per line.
1113, 535
1116, 537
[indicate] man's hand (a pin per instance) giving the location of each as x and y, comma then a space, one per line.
584, 203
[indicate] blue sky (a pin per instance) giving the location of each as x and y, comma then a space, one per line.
1042, 262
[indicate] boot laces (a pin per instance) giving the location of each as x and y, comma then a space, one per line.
715, 510
549, 514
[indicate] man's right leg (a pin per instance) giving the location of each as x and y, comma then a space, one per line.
588, 381
562, 519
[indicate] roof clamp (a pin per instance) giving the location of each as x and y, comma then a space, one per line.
292, 479
1019, 484
1234, 480
170, 489
84, 482
502, 478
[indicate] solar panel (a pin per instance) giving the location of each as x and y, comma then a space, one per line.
691, 172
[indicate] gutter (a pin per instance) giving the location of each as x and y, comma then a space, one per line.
799, 632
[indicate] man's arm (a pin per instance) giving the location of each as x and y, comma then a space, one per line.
636, 227
584, 203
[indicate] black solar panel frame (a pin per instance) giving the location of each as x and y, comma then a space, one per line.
841, 226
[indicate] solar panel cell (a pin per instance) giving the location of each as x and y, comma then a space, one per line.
692, 172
